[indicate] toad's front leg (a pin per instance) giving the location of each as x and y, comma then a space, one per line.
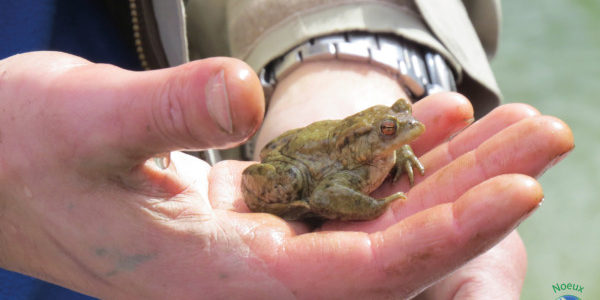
338, 197
406, 160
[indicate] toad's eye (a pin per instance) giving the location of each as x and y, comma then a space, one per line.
388, 127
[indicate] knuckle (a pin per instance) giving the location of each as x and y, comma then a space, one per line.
169, 111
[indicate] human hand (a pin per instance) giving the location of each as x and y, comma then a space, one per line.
80, 203
82, 207
512, 134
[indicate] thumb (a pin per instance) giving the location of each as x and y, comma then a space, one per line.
210, 103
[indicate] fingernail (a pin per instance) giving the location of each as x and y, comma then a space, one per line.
217, 101
468, 123
532, 210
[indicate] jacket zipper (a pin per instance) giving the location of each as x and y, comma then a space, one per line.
152, 56
148, 45
135, 24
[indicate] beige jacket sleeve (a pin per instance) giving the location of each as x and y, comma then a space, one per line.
258, 31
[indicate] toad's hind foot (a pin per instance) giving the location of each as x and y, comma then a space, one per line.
393, 197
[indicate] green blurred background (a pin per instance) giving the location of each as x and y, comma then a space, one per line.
549, 57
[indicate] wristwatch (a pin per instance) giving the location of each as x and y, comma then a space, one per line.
419, 71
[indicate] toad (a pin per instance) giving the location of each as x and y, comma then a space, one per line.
327, 169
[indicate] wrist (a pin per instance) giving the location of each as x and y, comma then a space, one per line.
329, 89
29, 247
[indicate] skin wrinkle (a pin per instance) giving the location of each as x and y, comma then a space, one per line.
255, 260
166, 214
128, 106
176, 115
157, 117
449, 155
480, 164
530, 128
429, 253
376, 241
147, 184
283, 261
361, 239
186, 190
415, 261
282, 258
470, 158
168, 115
498, 233
158, 197
458, 288
78, 263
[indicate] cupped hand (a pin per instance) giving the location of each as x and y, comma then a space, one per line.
84, 205
479, 185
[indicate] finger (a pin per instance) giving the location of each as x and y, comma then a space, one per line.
179, 191
210, 103
437, 241
404, 259
470, 138
443, 115
528, 147
225, 181
494, 122
497, 274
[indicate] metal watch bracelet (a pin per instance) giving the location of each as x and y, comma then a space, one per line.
420, 71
